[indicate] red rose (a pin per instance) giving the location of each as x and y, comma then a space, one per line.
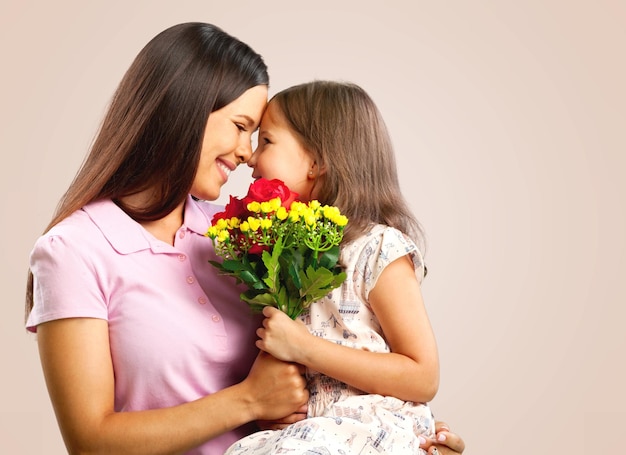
234, 208
258, 249
263, 190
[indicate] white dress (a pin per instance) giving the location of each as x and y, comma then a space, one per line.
342, 419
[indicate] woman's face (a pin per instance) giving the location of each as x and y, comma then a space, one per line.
227, 141
280, 155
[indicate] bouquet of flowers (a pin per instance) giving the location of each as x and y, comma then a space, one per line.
285, 251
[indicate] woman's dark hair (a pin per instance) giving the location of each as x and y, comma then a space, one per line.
152, 133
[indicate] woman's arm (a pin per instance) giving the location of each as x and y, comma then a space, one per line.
77, 365
410, 372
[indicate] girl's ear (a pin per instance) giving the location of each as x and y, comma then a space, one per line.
316, 171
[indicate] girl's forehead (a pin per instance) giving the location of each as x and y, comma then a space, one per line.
273, 116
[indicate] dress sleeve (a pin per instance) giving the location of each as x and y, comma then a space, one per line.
65, 282
382, 249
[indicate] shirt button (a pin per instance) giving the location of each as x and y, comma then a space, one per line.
201, 300
181, 235
190, 280
215, 318
181, 257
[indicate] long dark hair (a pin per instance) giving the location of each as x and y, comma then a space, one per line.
340, 126
152, 133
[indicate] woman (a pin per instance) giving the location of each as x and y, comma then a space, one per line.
144, 348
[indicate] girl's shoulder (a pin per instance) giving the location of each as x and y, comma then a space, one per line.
383, 236
380, 246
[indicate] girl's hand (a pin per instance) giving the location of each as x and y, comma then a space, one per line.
445, 442
281, 336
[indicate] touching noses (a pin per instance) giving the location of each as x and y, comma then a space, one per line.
252, 160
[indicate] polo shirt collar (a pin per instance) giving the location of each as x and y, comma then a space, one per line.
197, 219
128, 236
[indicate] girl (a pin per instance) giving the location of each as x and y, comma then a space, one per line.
369, 349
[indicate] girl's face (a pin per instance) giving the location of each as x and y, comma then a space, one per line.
228, 141
280, 155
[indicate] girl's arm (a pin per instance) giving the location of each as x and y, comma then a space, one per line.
77, 365
410, 372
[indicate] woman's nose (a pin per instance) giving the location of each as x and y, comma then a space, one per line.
244, 152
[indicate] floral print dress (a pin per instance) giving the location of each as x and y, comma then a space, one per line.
342, 419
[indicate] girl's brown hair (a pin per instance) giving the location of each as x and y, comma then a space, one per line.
152, 134
343, 130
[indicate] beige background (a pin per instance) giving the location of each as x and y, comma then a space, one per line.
509, 123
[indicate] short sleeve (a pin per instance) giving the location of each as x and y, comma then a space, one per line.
383, 247
65, 282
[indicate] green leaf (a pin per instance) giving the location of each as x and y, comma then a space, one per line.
250, 278
319, 282
329, 258
294, 274
282, 299
273, 267
264, 298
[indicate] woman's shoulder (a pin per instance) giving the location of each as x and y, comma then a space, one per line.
77, 225
85, 229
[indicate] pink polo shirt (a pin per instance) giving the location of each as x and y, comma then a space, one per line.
178, 331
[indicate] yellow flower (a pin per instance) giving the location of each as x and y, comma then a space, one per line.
281, 213
234, 222
266, 223
314, 204
341, 220
294, 216
298, 207
330, 212
221, 224
254, 207
275, 204
244, 226
223, 236
212, 232
254, 223
309, 217
266, 207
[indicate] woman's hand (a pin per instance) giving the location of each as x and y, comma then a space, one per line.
283, 423
445, 442
275, 388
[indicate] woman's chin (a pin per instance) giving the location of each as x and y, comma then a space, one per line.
205, 195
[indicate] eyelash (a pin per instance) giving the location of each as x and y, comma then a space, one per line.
240, 127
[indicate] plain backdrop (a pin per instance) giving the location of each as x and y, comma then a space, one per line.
509, 123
